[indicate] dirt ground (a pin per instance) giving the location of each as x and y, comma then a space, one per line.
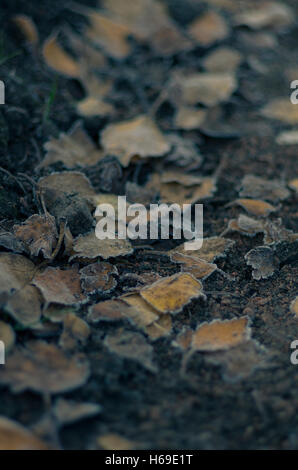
182, 405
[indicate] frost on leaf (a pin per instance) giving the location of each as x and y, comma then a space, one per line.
75, 332
171, 294
38, 234
259, 188
44, 368
132, 346
212, 249
262, 260
138, 137
220, 335
281, 109
74, 148
60, 286
90, 247
98, 277
67, 411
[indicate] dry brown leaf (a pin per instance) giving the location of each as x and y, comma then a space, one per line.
90, 247
222, 59
171, 294
263, 262
56, 313
94, 106
7, 336
149, 21
221, 335
138, 137
69, 412
27, 28
16, 272
109, 34
143, 314
294, 307
294, 184
57, 184
287, 138
13, 436
38, 234
60, 286
256, 206
199, 269
44, 368
240, 362
189, 118
131, 345
281, 109
246, 225
184, 339
74, 148
209, 89
58, 59
212, 249
266, 14
98, 277
110, 311
25, 306
181, 194
160, 328
75, 332
259, 188
208, 28
115, 442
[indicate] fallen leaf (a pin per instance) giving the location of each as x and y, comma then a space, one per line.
57, 184
115, 442
110, 311
255, 206
16, 272
266, 14
260, 188
143, 314
75, 332
294, 307
223, 59
109, 34
220, 335
294, 184
171, 294
184, 153
138, 137
44, 368
131, 345
25, 306
287, 138
212, 249
13, 436
160, 328
198, 268
281, 109
90, 247
208, 89
38, 234
58, 59
74, 148
27, 27
98, 277
68, 412
7, 336
189, 118
240, 362
208, 28
60, 286
263, 262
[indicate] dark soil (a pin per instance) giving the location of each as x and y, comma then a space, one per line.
167, 410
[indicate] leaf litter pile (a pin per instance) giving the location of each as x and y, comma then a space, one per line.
122, 344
